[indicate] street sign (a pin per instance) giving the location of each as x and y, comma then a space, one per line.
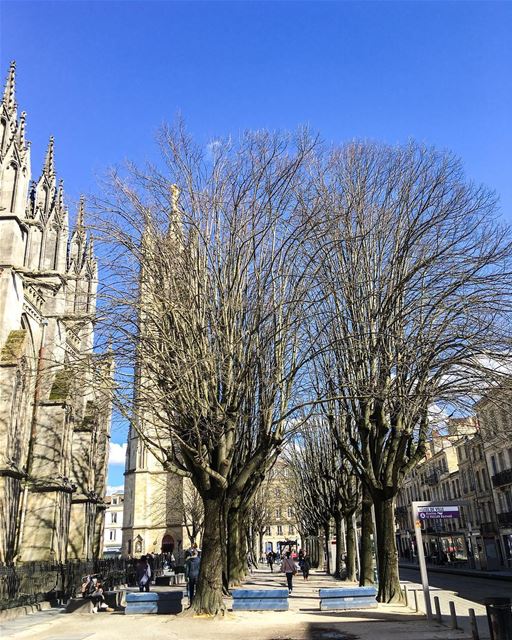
433, 513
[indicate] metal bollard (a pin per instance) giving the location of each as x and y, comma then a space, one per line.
474, 625
453, 615
416, 601
438, 609
499, 618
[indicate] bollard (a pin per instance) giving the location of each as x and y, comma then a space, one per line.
453, 615
416, 600
406, 596
499, 618
438, 609
474, 626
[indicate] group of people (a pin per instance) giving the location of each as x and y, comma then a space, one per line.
92, 588
144, 571
290, 566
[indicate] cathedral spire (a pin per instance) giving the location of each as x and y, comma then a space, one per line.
9, 99
176, 222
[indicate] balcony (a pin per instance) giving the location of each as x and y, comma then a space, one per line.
505, 519
488, 527
503, 477
432, 479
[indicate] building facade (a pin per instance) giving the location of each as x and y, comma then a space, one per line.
54, 414
436, 478
282, 528
495, 420
471, 465
113, 535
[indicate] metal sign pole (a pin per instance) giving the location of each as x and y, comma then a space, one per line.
421, 559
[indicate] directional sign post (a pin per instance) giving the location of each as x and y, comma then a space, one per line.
422, 511
441, 512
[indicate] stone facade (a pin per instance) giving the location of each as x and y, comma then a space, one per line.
281, 504
153, 504
495, 420
54, 415
469, 465
113, 536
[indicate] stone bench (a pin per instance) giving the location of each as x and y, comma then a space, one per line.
260, 599
348, 598
168, 602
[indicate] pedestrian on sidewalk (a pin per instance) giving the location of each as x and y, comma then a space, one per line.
305, 566
192, 565
270, 561
143, 574
289, 567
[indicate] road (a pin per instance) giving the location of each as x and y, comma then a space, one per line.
468, 587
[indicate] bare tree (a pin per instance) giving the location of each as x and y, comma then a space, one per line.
414, 291
193, 512
259, 516
327, 489
204, 304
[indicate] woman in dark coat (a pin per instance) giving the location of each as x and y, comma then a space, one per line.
305, 566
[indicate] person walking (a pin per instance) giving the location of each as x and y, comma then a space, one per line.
289, 567
192, 565
143, 574
305, 566
270, 561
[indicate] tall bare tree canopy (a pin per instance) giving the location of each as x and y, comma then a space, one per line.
248, 280
414, 290
205, 304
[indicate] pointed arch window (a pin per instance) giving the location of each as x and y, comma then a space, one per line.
46, 196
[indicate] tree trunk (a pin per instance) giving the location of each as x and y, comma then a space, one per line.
236, 566
338, 571
327, 554
389, 579
366, 552
208, 598
351, 549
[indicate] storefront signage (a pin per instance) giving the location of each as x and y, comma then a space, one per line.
433, 513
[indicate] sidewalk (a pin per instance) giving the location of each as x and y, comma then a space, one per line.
505, 574
304, 621
462, 607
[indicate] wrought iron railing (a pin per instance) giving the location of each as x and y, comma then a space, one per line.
32, 582
502, 478
505, 519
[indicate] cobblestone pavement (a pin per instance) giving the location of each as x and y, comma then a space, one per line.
304, 621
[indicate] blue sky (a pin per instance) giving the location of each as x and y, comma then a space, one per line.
102, 76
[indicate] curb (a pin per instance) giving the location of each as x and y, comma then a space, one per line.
460, 572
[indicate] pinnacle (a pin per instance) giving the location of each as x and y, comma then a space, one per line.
21, 128
49, 162
80, 216
9, 98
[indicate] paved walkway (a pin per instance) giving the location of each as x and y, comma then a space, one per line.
304, 621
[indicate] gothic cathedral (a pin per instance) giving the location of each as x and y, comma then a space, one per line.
54, 412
